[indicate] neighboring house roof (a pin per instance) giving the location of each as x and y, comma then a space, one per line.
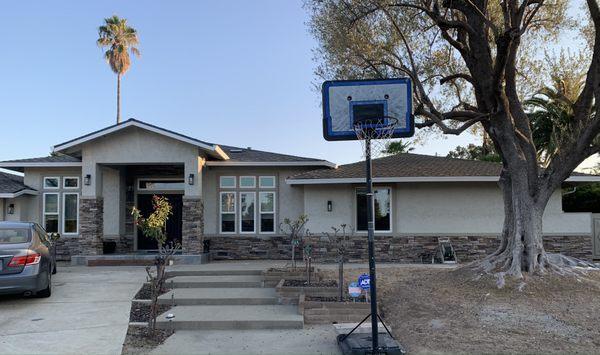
251, 157
413, 168
212, 149
12, 186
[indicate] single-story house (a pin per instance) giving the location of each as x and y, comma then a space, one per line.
231, 201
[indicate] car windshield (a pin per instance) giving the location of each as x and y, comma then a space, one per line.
14, 235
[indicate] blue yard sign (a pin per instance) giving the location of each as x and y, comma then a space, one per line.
364, 281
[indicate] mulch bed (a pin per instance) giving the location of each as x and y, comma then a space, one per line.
301, 283
332, 299
140, 340
140, 312
145, 292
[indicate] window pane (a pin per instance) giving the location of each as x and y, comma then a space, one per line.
361, 211
161, 185
14, 236
71, 182
228, 222
267, 222
70, 213
267, 181
227, 181
247, 211
267, 201
382, 209
228, 202
247, 181
51, 203
51, 223
51, 183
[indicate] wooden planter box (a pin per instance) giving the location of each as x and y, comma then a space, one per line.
319, 312
273, 276
291, 294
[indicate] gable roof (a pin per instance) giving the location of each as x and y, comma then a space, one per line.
212, 149
12, 186
413, 168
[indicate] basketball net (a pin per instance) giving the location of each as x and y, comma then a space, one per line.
378, 131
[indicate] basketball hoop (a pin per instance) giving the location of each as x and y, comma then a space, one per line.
378, 131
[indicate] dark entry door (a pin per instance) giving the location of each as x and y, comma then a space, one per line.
174, 223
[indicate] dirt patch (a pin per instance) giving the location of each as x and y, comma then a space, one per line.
140, 312
434, 310
301, 283
141, 340
145, 292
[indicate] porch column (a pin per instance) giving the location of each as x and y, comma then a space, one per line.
91, 211
193, 208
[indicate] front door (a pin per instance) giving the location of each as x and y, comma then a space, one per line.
174, 224
596, 236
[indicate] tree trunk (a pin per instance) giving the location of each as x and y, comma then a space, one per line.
118, 98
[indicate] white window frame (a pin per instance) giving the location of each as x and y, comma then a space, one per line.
260, 184
64, 179
62, 216
45, 213
241, 216
260, 212
51, 188
221, 212
253, 182
391, 210
227, 187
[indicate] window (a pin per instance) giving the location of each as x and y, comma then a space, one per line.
247, 215
247, 182
51, 182
227, 212
70, 212
266, 182
71, 182
161, 184
267, 212
14, 235
382, 210
51, 212
227, 182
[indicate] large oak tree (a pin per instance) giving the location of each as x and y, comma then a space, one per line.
472, 63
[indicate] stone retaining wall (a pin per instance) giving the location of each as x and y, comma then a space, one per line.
402, 249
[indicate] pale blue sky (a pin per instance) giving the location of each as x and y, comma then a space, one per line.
234, 72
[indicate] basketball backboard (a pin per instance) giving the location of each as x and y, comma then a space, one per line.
348, 102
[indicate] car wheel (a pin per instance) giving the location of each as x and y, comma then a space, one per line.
47, 292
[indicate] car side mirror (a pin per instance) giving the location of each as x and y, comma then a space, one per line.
54, 236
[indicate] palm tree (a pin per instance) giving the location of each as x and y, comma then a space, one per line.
120, 40
398, 147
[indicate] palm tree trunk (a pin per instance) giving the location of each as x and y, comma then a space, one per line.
118, 98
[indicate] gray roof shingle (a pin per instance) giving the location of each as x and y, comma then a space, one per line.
10, 183
48, 159
252, 155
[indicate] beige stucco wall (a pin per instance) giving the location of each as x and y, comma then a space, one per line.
111, 192
436, 209
23, 208
289, 199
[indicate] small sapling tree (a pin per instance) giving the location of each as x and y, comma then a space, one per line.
295, 231
340, 237
154, 227
308, 249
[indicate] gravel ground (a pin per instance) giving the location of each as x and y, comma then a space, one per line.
146, 291
141, 340
140, 312
450, 311
322, 283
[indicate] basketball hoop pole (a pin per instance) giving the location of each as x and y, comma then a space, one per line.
370, 232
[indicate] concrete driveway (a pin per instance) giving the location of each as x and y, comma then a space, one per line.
87, 313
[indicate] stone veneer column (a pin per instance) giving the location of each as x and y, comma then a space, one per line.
193, 226
91, 223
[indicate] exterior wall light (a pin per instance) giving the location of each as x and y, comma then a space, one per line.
11, 209
87, 180
329, 206
191, 179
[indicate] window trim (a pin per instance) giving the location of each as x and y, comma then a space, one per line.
45, 213
391, 210
64, 179
261, 186
253, 182
51, 188
227, 187
221, 212
254, 212
260, 212
62, 216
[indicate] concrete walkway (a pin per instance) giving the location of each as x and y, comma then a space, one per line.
88, 313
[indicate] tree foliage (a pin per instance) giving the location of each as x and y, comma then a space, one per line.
398, 147
473, 152
120, 41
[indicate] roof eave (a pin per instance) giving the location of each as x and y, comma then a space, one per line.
18, 193
19, 166
316, 181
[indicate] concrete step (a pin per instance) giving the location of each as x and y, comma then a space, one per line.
226, 281
196, 272
219, 296
232, 317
